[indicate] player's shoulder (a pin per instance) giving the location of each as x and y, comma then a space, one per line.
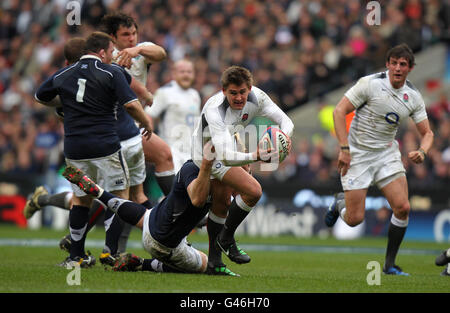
373, 78
113, 67
409, 85
257, 95
64, 70
194, 92
104, 69
118, 67
413, 92
215, 101
167, 86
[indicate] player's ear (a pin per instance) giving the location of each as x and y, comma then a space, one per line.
102, 53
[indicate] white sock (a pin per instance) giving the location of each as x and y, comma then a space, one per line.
157, 265
342, 213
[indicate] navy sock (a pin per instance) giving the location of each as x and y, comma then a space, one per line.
235, 217
114, 227
147, 204
213, 228
131, 212
78, 218
395, 238
165, 182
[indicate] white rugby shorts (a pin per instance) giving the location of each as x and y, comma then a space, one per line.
133, 153
184, 258
218, 169
109, 172
373, 167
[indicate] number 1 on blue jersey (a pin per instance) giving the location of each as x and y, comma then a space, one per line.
81, 89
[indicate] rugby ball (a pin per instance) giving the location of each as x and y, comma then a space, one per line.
274, 138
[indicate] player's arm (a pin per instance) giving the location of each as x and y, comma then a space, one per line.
54, 103
342, 109
151, 52
198, 189
418, 156
139, 89
134, 108
145, 96
273, 112
47, 94
128, 99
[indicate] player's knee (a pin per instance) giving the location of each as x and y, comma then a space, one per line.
252, 194
402, 211
354, 219
161, 157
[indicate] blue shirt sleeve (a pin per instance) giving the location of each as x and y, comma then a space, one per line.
122, 88
46, 91
124, 71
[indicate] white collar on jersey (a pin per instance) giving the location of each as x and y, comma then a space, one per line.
90, 56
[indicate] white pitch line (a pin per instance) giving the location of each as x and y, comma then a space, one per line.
15, 242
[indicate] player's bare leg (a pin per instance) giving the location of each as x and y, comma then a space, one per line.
157, 151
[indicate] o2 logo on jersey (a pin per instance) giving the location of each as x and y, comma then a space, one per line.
392, 118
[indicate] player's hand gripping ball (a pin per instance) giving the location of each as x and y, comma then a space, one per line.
277, 141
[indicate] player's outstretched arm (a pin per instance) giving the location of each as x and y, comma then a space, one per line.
134, 108
151, 53
145, 96
198, 189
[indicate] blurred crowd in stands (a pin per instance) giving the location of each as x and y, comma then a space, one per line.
297, 51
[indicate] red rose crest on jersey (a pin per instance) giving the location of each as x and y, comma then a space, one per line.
405, 97
244, 117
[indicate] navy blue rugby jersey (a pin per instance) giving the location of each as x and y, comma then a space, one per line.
90, 92
126, 126
174, 217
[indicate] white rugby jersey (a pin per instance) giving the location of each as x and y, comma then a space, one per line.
178, 109
380, 108
219, 122
139, 66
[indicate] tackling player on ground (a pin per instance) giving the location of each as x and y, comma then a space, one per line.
166, 225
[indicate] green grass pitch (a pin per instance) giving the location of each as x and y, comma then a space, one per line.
279, 265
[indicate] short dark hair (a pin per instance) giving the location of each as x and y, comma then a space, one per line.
97, 41
401, 51
74, 49
111, 22
236, 75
